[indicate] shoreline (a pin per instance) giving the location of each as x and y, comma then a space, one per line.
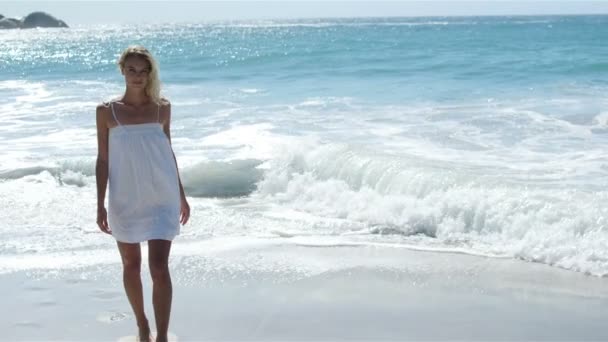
281, 292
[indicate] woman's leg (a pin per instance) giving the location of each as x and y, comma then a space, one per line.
131, 263
162, 290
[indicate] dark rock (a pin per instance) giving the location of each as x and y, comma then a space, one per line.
9, 23
42, 19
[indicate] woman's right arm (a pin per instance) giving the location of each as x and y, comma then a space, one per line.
101, 167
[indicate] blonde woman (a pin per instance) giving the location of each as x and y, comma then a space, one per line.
146, 200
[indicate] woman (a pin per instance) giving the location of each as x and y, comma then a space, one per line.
146, 199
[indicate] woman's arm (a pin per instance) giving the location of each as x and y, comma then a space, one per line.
185, 207
101, 166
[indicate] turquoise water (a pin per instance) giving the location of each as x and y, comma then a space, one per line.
478, 134
446, 59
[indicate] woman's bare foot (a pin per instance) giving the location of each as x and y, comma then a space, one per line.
161, 338
144, 332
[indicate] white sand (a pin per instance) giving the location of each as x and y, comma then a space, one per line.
288, 292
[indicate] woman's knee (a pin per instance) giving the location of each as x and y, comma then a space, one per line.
159, 270
131, 257
158, 258
132, 265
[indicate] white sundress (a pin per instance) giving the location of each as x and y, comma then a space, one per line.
144, 198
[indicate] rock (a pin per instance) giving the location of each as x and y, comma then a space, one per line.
9, 23
34, 19
42, 19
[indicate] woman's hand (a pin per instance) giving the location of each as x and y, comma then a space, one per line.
102, 220
184, 213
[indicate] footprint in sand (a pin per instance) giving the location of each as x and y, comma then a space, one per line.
106, 294
27, 324
47, 303
111, 317
35, 288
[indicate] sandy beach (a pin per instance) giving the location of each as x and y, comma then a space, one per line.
273, 289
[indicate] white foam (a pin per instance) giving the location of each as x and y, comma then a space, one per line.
489, 178
562, 227
250, 90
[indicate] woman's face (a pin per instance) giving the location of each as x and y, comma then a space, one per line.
136, 70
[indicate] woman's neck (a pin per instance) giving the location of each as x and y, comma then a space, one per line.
135, 97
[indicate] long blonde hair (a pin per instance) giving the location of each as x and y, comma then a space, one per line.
153, 85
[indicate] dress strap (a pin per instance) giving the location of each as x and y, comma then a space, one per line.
114, 114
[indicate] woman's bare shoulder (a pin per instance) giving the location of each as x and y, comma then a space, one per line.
164, 102
103, 113
165, 106
104, 105
165, 110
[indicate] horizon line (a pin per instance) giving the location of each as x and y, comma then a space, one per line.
217, 21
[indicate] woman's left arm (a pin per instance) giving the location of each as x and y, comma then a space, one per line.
166, 122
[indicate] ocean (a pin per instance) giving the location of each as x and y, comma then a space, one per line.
477, 135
